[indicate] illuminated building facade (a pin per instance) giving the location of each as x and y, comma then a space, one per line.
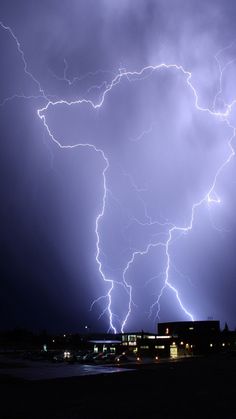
147, 344
192, 337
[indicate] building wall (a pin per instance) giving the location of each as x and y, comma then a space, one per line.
193, 338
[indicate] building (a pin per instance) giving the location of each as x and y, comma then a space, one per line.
146, 344
192, 337
105, 345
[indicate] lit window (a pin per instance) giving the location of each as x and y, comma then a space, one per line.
132, 338
163, 337
167, 331
173, 351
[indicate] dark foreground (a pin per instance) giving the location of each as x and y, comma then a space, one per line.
194, 388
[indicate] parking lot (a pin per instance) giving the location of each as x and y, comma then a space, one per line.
195, 387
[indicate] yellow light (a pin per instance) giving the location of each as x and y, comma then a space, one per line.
181, 343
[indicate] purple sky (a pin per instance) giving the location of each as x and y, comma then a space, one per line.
117, 142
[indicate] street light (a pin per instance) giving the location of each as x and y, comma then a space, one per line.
86, 328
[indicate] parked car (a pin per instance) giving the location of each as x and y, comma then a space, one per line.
79, 358
58, 358
99, 356
108, 357
121, 358
89, 357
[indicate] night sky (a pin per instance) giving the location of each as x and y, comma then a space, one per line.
118, 175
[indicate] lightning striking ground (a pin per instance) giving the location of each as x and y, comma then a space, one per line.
174, 232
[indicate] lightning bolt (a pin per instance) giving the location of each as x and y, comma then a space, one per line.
174, 232
222, 70
25, 65
143, 134
77, 79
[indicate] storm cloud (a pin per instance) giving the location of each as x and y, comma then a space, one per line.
164, 150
